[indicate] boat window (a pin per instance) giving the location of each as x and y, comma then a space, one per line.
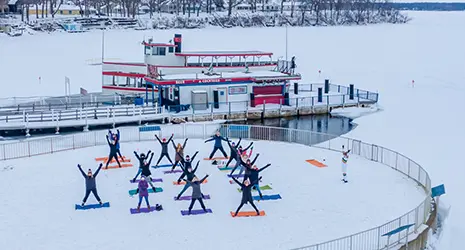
154, 51
161, 51
148, 50
170, 49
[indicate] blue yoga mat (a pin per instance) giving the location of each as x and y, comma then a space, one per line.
92, 206
163, 166
267, 197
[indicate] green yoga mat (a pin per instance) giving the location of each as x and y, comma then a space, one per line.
157, 190
225, 168
266, 187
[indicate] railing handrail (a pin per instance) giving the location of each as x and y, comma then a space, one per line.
422, 210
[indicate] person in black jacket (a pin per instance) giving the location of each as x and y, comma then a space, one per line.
189, 173
116, 137
196, 192
146, 168
246, 188
187, 162
234, 155
244, 165
113, 152
142, 158
217, 138
90, 183
164, 149
254, 173
179, 151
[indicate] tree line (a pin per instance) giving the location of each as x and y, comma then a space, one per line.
323, 11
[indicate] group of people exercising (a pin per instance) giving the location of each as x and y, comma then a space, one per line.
237, 152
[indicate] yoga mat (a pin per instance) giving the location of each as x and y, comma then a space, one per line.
267, 197
316, 163
143, 210
172, 172
195, 212
153, 180
91, 206
266, 187
184, 183
117, 166
248, 213
157, 190
188, 198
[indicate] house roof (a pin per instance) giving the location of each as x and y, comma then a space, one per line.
12, 2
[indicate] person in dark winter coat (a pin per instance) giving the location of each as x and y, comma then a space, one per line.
187, 162
244, 162
146, 168
142, 158
143, 191
116, 138
189, 173
113, 152
90, 183
218, 145
234, 155
179, 149
254, 177
164, 148
246, 188
197, 192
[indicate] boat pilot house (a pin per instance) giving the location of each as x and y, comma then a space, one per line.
197, 79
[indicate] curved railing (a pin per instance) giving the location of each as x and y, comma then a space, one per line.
371, 239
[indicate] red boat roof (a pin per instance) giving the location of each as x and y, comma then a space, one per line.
225, 53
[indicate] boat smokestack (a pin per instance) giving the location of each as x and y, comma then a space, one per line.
177, 42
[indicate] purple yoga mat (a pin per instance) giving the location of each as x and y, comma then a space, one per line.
236, 175
172, 172
142, 210
153, 180
197, 211
186, 198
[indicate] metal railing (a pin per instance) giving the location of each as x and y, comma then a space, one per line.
87, 113
371, 239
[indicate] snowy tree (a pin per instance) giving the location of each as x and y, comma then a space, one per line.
230, 4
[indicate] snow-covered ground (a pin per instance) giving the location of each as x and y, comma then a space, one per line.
40, 198
424, 122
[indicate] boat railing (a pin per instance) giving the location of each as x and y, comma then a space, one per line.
232, 64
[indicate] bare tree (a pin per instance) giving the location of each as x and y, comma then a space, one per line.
230, 4
78, 3
53, 4
253, 5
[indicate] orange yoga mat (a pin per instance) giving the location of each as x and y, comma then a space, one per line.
184, 183
116, 166
248, 213
216, 158
105, 159
316, 163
